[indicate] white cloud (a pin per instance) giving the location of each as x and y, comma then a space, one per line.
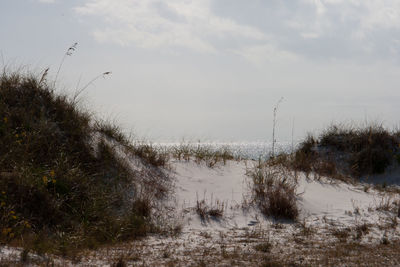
266, 53
317, 29
175, 23
368, 14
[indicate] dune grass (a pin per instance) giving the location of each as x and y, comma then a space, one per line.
200, 153
274, 191
64, 182
345, 152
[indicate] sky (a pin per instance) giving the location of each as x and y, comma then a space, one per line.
215, 69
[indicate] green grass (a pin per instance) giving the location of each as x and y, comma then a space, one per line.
64, 184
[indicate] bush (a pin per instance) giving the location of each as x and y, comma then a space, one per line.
358, 151
305, 155
274, 193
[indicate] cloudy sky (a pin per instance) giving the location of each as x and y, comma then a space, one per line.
214, 69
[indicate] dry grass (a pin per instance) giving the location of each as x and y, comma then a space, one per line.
200, 153
214, 210
274, 192
263, 247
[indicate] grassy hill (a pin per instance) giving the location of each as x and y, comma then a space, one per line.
66, 178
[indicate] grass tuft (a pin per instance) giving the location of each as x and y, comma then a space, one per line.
274, 192
214, 210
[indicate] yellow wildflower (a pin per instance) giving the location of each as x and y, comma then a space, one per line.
12, 212
14, 217
3, 192
11, 235
5, 119
52, 173
54, 181
2, 204
45, 180
27, 225
17, 135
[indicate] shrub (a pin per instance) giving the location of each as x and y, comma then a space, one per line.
349, 150
274, 193
305, 155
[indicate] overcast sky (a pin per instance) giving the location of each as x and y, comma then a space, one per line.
214, 69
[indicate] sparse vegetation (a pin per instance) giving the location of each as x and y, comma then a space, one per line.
201, 153
274, 192
120, 263
213, 210
341, 233
65, 178
361, 230
263, 247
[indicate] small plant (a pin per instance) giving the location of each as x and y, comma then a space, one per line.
206, 211
341, 234
24, 257
274, 193
361, 229
385, 240
306, 230
150, 154
120, 263
393, 222
386, 204
273, 126
78, 92
263, 247
69, 52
